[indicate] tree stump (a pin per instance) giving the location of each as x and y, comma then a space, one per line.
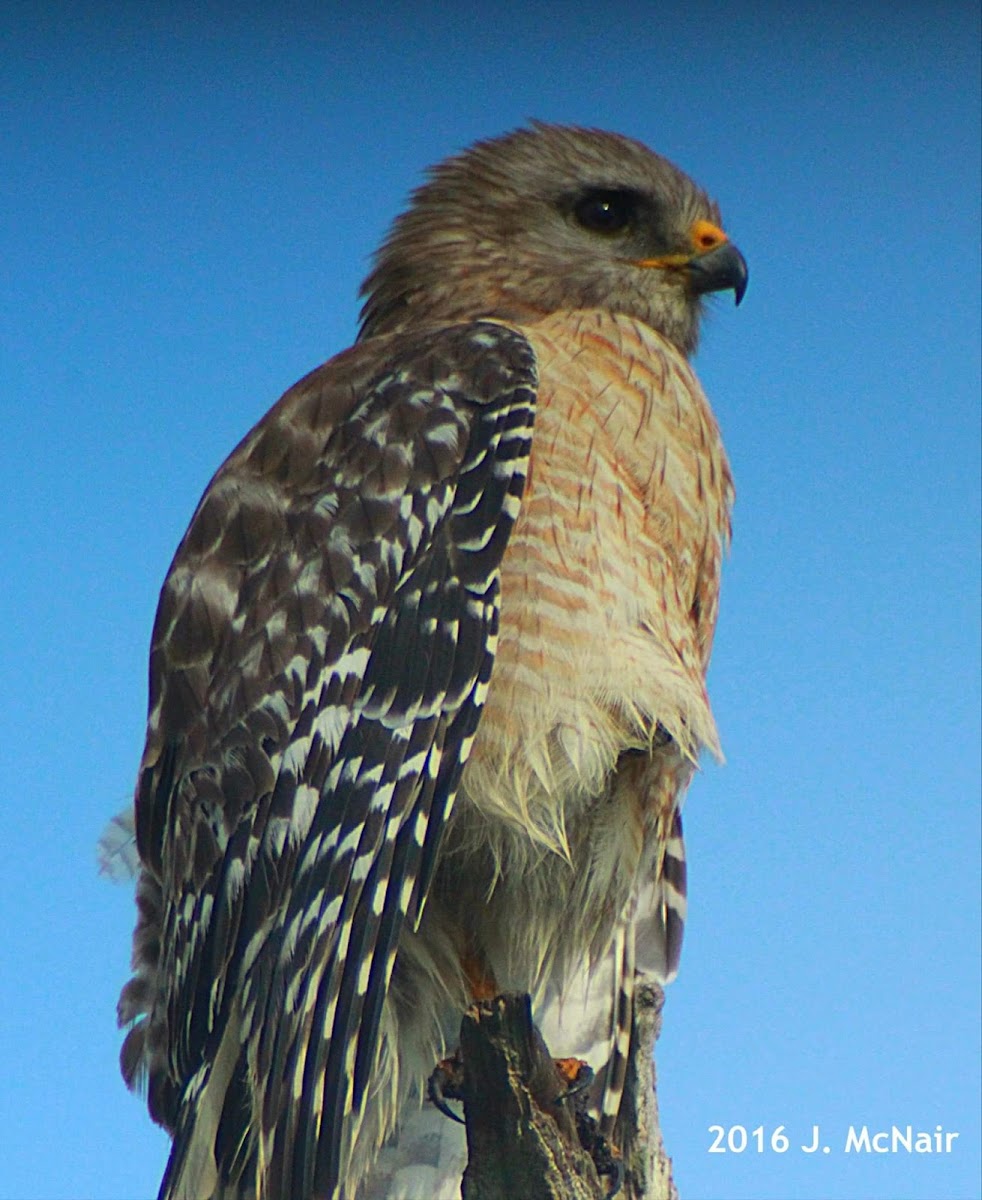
522, 1143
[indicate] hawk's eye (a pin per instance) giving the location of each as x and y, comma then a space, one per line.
606, 211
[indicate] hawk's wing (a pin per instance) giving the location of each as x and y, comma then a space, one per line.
320, 657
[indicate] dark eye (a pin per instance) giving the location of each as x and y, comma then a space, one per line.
607, 211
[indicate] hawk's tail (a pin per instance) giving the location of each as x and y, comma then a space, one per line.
649, 943
667, 910
193, 1171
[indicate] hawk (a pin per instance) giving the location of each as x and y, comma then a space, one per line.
427, 677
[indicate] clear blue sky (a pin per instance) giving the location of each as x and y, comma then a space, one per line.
189, 196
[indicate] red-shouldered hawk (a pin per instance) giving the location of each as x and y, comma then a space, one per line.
427, 679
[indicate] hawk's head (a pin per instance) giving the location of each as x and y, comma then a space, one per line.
551, 218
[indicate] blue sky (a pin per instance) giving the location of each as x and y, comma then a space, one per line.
189, 199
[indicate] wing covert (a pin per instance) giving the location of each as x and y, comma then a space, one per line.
320, 658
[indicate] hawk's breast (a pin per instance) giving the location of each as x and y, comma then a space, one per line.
610, 581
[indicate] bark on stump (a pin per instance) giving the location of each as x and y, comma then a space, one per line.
521, 1143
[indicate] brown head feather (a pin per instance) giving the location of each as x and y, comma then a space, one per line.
496, 232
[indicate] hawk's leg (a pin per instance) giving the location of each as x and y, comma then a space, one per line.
511, 1086
446, 1080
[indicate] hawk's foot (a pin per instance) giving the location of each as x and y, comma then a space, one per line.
446, 1082
578, 1075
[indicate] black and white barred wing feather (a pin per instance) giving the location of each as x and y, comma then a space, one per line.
321, 654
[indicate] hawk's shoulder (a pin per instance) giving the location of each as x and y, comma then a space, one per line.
324, 472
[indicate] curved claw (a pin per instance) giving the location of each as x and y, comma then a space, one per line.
579, 1075
444, 1084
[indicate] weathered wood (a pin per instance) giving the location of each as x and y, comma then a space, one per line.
647, 1168
522, 1144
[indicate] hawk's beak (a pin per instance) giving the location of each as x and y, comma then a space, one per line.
715, 266
719, 269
